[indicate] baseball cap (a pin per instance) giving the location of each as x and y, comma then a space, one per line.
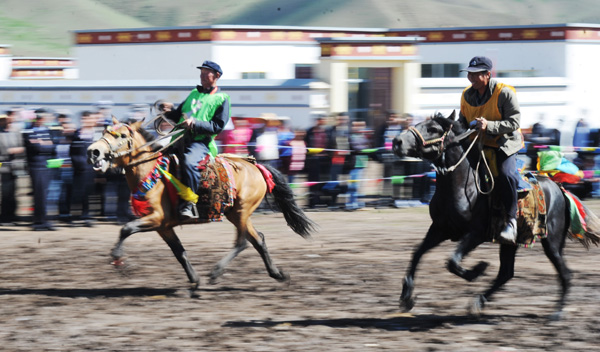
478, 64
211, 65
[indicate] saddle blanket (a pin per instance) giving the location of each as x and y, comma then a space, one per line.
531, 214
217, 190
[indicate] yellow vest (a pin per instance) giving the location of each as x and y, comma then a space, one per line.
489, 110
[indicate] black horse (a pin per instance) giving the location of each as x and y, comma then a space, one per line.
461, 211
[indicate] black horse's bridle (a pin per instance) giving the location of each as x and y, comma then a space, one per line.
443, 170
425, 143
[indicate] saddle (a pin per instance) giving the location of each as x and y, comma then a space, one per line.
217, 192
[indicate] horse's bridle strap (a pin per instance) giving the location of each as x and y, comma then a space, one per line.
428, 142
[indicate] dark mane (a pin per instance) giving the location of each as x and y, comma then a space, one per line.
149, 137
457, 126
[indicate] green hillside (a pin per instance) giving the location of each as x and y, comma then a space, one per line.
44, 29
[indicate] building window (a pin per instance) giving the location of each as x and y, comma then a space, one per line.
304, 71
440, 70
253, 75
516, 73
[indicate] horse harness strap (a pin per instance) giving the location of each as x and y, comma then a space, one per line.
114, 153
431, 141
115, 148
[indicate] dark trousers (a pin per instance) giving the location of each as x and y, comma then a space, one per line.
193, 154
507, 182
316, 169
8, 209
116, 198
40, 181
83, 179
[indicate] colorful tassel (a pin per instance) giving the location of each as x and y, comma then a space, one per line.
140, 207
578, 224
184, 191
267, 176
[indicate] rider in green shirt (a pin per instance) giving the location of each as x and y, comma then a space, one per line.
204, 113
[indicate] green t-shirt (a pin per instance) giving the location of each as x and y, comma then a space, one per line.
202, 107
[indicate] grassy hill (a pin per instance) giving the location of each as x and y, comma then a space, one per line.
44, 29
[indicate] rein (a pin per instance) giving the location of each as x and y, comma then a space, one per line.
129, 140
446, 170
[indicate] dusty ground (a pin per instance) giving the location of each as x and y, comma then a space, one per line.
58, 292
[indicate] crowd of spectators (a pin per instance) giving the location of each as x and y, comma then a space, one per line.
332, 156
49, 149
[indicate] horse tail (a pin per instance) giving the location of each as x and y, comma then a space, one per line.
286, 203
584, 225
592, 231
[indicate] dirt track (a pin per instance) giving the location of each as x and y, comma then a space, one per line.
58, 292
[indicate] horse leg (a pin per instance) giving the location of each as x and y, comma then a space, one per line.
146, 223
431, 240
258, 241
169, 236
505, 273
554, 252
466, 245
239, 246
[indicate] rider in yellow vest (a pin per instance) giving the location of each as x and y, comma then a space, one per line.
205, 112
494, 108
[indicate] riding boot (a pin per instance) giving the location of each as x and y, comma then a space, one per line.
509, 234
187, 211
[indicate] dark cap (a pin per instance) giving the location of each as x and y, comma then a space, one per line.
478, 64
212, 65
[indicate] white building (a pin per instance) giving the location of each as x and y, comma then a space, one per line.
301, 71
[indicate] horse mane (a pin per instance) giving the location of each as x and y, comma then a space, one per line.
447, 123
149, 137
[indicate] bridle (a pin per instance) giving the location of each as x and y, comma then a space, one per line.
425, 143
443, 170
114, 149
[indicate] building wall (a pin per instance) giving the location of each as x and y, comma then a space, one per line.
541, 99
540, 59
584, 73
166, 61
276, 60
5, 62
299, 100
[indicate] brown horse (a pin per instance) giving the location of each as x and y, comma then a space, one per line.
130, 147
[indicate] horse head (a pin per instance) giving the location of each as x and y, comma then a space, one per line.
115, 146
426, 140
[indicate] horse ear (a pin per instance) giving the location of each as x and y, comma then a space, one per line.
136, 125
452, 115
114, 120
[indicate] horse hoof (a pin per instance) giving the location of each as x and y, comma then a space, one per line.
479, 269
194, 286
282, 277
476, 307
192, 292
407, 304
556, 316
212, 280
118, 262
